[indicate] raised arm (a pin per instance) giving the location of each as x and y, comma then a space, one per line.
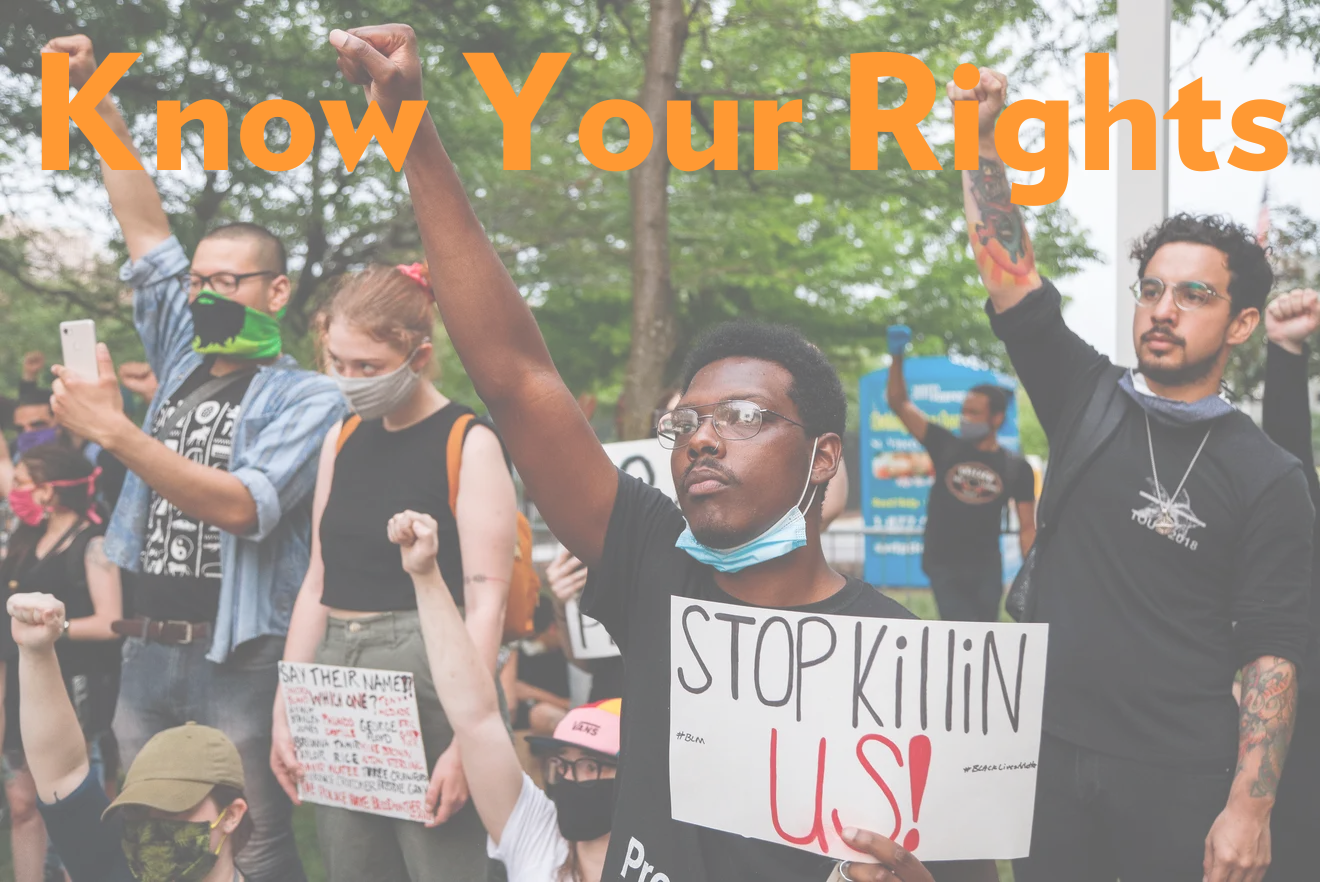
463, 681
133, 195
896, 393
52, 739
999, 237
492, 328
1286, 413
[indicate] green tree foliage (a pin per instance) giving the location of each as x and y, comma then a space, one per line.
840, 254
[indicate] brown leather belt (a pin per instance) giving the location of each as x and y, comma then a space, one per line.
158, 631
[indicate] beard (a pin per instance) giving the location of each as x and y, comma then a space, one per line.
1184, 375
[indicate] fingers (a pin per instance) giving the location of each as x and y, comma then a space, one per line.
105, 365
35, 609
434, 792
895, 860
286, 772
69, 45
451, 800
361, 60
408, 527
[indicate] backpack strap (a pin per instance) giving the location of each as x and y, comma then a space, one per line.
454, 456
348, 428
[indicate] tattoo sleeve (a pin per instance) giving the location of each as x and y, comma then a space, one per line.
1269, 706
998, 233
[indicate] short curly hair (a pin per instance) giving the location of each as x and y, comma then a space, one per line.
816, 390
1250, 275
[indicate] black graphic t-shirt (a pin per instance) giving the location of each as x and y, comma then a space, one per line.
1148, 626
629, 593
180, 576
965, 513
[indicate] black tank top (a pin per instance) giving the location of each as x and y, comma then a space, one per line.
377, 475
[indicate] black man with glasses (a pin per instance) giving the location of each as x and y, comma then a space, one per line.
214, 518
1173, 552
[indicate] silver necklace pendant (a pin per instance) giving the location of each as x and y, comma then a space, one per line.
1164, 524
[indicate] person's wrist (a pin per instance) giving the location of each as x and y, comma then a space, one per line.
117, 433
1293, 347
1258, 807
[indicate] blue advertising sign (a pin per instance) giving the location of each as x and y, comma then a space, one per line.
897, 472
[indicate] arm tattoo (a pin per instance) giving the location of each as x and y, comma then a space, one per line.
1269, 705
479, 578
96, 555
1001, 221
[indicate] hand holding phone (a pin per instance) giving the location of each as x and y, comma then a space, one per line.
79, 341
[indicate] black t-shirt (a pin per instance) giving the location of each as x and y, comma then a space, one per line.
91, 849
1148, 630
965, 512
379, 473
180, 576
629, 593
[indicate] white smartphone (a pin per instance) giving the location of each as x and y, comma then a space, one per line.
79, 341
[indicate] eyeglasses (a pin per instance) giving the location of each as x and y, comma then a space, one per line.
583, 769
733, 421
221, 283
1186, 295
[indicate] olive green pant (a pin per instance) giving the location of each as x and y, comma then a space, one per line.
358, 846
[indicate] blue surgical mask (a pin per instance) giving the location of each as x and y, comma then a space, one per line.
787, 534
973, 431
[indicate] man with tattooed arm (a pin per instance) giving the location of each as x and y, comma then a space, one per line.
1173, 550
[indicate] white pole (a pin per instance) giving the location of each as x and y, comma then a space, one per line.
1143, 196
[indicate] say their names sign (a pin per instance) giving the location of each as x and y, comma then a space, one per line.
358, 738
791, 727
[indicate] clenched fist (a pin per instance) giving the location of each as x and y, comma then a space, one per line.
1291, 318
82, 61
383, 60
991, 92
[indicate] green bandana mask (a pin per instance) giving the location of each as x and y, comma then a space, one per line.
160, 850
226, 327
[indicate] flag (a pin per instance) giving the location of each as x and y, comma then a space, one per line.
1263, 220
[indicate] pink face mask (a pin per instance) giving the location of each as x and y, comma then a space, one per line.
25, 508
31, 512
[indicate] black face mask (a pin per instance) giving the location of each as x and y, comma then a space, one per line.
585, 808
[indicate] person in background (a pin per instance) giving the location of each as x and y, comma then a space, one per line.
975, 479
181, 816
1174, 551
356, 606
59, 550
215, 517
1290, 320
561, 835
536, 675
759, 404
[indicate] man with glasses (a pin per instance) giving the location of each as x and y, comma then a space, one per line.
215, 517
754, 440
1173, 550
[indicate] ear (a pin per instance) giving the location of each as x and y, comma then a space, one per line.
423, 357
1243, 326
829, 453
234, 815
277, 296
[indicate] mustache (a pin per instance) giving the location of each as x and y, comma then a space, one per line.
1163, 332
712, 465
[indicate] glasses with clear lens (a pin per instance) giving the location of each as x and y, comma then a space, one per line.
581, 769
733, 421
1186, 295
224, 284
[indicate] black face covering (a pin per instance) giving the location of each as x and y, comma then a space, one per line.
585, 808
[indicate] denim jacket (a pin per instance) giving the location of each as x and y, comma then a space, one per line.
286, 413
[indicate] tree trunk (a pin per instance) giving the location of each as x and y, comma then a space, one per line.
654, 331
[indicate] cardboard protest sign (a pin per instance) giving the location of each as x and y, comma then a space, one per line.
358, 738
646, 460
587, 637
791, 727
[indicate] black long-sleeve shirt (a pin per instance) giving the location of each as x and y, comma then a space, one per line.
1286, 418
1148, 628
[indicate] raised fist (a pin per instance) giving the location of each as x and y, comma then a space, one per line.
991, 92
138, 378
418, 539
33, 362
383, 60
1291, 318
82, 61
37, 619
